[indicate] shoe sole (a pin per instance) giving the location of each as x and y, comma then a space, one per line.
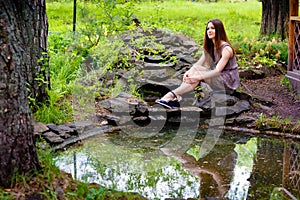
166, 104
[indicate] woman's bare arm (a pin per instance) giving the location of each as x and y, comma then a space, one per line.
199, 75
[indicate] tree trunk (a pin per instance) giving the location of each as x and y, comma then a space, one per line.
275, 16
23, 39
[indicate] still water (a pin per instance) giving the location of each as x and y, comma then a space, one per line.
165, 165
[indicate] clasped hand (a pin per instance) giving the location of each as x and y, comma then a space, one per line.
192, 76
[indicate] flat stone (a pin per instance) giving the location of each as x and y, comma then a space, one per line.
158, 65
169, 83
237, 108
158, 117
191, 109
84, 125
52, 138
153, 59
53, 127
40, 128
66, 129
244, 119
224, 99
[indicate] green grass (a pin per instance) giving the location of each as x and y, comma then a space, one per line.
241, 19
60, 16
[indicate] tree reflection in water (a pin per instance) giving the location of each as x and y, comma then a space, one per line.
238, 167
148, 172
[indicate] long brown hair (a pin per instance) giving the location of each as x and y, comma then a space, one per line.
220, 34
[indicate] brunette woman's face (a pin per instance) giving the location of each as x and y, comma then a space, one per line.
211, 31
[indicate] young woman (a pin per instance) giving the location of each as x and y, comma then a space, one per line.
217, 66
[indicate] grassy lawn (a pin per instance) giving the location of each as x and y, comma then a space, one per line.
241, 19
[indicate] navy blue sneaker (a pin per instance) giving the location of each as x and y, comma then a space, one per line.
170, 104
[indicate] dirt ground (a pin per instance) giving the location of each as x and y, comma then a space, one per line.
273, 88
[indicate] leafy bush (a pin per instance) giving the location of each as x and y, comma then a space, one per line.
274, 49
68, 50
254, 52
5, 196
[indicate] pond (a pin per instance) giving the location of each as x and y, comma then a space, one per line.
188, 163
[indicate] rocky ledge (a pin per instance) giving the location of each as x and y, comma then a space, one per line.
125, 110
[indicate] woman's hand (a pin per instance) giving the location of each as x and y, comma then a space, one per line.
191, 76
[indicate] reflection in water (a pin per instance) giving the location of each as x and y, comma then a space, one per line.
276, 171
149, 173
239, 185
238, 167
291, 169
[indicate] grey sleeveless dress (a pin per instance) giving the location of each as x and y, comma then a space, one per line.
229, 78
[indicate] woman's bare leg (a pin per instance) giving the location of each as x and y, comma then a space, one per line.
182, 89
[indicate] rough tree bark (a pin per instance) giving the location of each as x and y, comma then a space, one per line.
275, 16
23, 39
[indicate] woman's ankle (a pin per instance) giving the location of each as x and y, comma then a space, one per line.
171, 96
166, 97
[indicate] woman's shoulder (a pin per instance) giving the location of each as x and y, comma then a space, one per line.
226, 46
